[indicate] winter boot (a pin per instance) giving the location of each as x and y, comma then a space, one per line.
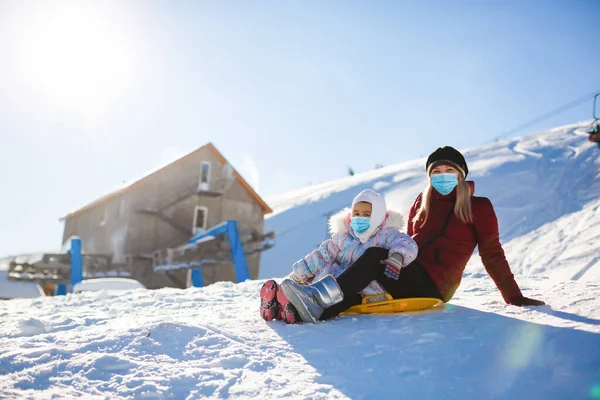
287, 311
269, 307
311, 300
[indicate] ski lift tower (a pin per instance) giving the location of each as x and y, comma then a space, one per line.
594, 131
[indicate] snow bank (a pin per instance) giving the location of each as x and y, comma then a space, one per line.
211, 343
88, 285
15, 289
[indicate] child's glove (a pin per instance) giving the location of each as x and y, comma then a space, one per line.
296, 279
393, 265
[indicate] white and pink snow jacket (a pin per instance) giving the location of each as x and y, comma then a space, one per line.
340, 251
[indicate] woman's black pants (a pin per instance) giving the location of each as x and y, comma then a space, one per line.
413, 281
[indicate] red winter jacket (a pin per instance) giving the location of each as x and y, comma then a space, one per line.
446, 257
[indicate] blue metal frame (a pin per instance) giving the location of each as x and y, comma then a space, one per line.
76, 263
197, 280
61, 289
216, 230
237, 250
76, 268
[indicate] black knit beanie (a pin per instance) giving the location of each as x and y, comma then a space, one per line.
450, 154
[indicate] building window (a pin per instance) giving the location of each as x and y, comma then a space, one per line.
204, 176
200, 218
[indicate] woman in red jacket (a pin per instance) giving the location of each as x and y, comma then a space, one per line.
447, 222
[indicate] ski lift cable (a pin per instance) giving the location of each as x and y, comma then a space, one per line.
549, 114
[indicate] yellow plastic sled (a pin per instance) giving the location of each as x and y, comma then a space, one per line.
369, 305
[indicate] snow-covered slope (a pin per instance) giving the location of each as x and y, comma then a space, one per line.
567, 248
211, 342
533, 181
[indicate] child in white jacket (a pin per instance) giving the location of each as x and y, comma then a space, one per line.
367, 224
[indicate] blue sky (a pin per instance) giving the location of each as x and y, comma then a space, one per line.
95, 93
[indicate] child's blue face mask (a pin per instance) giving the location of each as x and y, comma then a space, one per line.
444, 183
360, 224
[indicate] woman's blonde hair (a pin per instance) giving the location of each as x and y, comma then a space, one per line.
462, 208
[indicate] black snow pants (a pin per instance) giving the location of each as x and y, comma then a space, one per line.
413, 281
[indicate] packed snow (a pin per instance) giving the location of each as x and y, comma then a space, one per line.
211, 343
92, 285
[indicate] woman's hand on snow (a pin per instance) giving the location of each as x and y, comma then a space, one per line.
525, 301
393, 265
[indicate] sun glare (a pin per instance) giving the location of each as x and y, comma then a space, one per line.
74, 55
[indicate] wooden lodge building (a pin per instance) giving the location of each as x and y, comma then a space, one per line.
146, 225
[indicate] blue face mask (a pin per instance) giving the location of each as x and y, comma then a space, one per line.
360, 224
444, 183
